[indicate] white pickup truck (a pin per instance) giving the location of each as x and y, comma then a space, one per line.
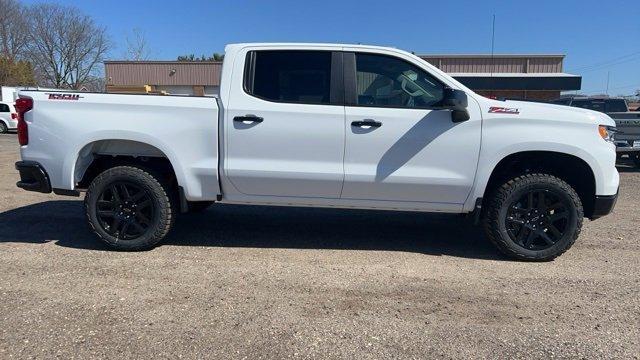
323, 125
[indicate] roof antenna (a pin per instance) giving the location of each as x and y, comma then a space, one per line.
493, 42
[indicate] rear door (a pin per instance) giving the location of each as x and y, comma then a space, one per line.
398, 147
285, 124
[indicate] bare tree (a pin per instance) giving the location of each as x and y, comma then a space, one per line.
65, 46
137, 46
14, 30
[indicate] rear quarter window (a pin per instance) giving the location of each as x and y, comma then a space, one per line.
4, 108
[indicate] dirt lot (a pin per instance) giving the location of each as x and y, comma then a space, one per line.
252, 282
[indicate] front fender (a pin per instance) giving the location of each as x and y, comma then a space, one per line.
579, 140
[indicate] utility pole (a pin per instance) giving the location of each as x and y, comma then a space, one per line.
608, 73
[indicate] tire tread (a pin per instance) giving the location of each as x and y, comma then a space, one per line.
501, 195
159, 190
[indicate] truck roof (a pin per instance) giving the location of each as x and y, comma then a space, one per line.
593, 97
320, 45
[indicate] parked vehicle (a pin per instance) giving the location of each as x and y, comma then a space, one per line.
8, 117
345, 126
627, 137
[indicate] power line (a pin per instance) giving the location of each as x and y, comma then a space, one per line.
637, 86
626, 86
610, 65
610, 62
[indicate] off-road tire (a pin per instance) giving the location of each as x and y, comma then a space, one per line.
497, 204
163, 215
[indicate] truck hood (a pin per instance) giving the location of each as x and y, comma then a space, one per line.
533, 110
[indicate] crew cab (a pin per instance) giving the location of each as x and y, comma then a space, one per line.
344, 126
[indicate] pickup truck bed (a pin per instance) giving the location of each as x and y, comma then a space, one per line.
72, 133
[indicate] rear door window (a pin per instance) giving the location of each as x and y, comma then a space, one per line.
616, 105
597, 105
289, 76
562, 101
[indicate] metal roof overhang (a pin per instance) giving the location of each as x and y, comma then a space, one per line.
520, 81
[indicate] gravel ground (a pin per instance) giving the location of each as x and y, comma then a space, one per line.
266, 282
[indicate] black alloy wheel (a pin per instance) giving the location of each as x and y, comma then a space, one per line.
533, 217
125, 210
538, 219
130, 208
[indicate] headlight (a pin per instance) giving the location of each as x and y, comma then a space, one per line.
607, 132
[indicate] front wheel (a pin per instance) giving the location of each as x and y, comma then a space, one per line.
534, 217
128, 208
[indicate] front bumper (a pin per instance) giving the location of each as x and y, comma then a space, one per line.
33, 177
603, 205
627, 150
626, 146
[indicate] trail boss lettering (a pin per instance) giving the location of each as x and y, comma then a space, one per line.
57, 96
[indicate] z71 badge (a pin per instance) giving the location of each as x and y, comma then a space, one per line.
58, 96
503, 110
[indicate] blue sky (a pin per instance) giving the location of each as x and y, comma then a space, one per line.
597, 36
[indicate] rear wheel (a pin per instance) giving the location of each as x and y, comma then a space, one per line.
534, 217
128, 208
3, 128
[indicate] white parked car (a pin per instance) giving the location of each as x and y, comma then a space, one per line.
345, 126
8, 117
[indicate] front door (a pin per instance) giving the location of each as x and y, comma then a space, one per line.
285, 125
397, 147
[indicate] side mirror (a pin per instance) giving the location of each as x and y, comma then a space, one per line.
456, 101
